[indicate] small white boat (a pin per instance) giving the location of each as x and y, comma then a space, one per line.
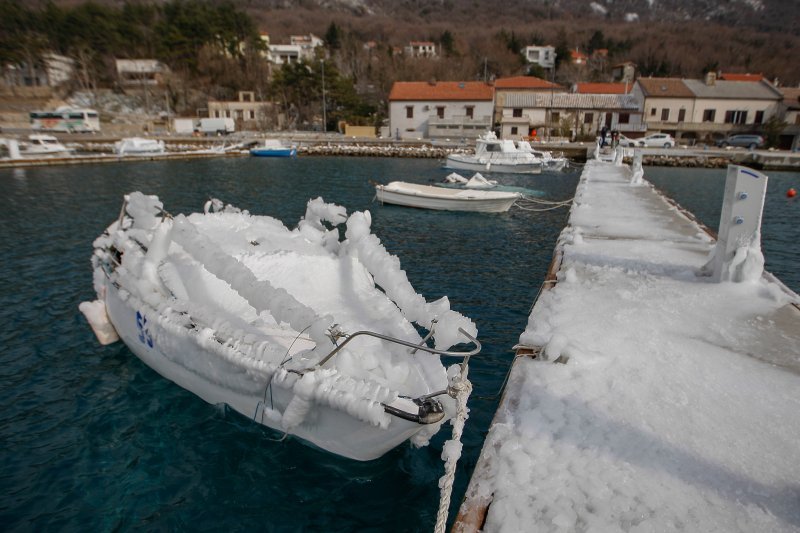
139, 146
445, 199
495, 155
549, 161
273, 148
41, 145
287, 327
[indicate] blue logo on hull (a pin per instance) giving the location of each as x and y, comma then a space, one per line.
144, 333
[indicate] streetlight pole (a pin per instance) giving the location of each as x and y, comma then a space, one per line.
324, 107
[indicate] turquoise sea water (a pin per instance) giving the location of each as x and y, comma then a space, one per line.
93, 440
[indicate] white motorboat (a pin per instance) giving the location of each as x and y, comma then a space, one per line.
273, 148
445, 199
139, 146
42, 145
495, 155
287, 327
549, 161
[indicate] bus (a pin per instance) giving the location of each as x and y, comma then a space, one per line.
66, 119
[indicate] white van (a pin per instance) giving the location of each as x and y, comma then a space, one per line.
216, 126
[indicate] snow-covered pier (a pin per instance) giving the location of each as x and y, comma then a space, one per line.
646, 395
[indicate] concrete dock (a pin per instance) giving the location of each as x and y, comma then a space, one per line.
644, 396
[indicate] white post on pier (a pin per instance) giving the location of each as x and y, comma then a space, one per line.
637, 171
619, 153
737, 255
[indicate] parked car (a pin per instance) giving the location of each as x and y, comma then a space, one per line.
746, 140
623, 141
659, 140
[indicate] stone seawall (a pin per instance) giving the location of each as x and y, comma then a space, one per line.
758, 160
425, 152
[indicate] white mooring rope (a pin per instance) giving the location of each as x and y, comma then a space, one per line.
463, 389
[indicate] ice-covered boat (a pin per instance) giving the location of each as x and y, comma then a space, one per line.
495, 155
288, 327
550, 162
139, 146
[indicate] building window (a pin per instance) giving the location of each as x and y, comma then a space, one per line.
664, 115
653, 112
470, 111
513, 130
588, 118
735, 117
759, 117
681, 115
624, 118
555, 117
517, 112
409, 111
252, 114
709, 115
440, 111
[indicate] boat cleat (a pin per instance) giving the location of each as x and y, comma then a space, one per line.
420, 410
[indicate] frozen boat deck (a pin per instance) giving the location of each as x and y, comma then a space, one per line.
644, 397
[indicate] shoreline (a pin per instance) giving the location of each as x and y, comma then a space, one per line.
99, 150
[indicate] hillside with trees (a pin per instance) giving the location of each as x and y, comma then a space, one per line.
213, 48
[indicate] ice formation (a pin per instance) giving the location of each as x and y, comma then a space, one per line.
676, 409
270, 304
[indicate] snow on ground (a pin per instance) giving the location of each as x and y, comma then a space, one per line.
678, 408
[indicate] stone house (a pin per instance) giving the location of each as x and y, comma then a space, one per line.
444, 109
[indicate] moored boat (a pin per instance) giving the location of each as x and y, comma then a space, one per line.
285, 326
273, 148
495, 155
445, 199
549, 161
139, 146
42, 145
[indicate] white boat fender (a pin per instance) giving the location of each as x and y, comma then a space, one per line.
96, 316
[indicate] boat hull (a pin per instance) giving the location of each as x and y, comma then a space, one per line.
408, 199
262, 152
456, 163
181, 358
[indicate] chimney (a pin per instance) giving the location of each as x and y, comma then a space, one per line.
711, 78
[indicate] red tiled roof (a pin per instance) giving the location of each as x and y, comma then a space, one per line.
576, 55
524, 82
441, 90
791, 97
665, 87
603, 88
740, 77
